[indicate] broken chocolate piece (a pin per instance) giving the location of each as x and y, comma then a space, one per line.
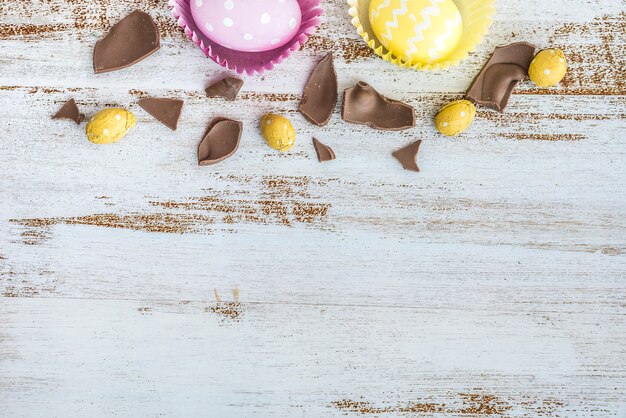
228, 88
220, 141
166, 111
131, 40
365, 106
320, 94
324, 152
69, 111
494, 84
408, 156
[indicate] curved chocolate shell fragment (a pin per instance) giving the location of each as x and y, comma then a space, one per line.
324, 152
365, 106
131, 40
220, 141
166, 111
494, 84
70, 111
320, 93
228, 88
408, 156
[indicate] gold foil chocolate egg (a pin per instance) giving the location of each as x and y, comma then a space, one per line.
110, 125
548, 68
455, 117
278, 132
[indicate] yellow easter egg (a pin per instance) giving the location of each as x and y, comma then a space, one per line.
278, 132
455, 117
548, 68
110, 125
419, 31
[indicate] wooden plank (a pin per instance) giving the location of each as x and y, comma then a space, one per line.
105, 357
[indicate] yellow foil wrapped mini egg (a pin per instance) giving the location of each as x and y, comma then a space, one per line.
455, 117
548, 68
419, 31
278, 132
110, 125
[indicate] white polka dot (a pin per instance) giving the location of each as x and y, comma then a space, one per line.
546, 71
445, 124
199, 3
105, 131
229, 4
463, 114
118, 117
265, 18
561, 60
269, 122
248, 36
208, 27
275, 41
292, 23
552, 51
228, 22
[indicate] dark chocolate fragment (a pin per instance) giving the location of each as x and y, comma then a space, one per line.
166, 111
228, 88
494, 84
131, 40
320, 94
365, 106
324, 152
408, 156
69, 111
220, 141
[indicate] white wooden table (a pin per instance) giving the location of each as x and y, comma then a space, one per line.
492, 283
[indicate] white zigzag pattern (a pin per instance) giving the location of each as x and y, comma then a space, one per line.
419, 29
435, 53
376, 12
402, 10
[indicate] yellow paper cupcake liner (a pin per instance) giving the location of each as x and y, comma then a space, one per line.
477, 17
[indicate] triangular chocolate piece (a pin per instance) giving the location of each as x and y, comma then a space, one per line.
320, 94
228, 88
70, 111
166, 111
408, 156
220, 141
131, 40
324, 152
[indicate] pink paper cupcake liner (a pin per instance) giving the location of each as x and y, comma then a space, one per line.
250, 63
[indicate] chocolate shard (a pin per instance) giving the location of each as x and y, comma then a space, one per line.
320, 93
228, 88
220, 141
166, 111
131, 40
324, 152
494, 84
408, 156
69, 111
365, 106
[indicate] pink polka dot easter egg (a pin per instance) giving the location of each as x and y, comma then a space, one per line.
248, 25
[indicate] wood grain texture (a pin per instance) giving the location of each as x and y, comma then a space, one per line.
491, 284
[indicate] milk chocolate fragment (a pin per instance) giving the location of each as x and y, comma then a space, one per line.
69, 111
220, 141
228, 88
324, 152
320, 94
495, 83
365, 106
408, 156
166, 111
131, 40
